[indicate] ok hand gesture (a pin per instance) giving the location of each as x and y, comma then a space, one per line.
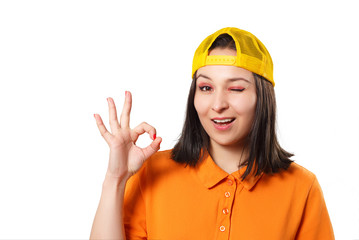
125, 157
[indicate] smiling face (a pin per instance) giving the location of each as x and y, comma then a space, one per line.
225, 101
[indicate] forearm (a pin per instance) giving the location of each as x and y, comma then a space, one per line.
108, 222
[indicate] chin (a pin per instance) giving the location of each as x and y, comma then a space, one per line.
226, 142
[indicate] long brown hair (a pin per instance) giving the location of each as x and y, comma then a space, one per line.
264, 149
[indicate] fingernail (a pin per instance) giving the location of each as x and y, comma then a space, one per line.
154, 136
126, 93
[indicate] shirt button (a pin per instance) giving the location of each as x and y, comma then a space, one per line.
230, 182
225, 210
222, 228
227, 194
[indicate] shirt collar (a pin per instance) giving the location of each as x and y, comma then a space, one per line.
210, 174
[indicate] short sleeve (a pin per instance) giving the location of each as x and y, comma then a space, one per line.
315, 223
134, 209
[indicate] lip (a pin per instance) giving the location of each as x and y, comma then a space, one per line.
221, 118
220, 127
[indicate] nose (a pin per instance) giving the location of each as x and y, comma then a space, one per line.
220, 102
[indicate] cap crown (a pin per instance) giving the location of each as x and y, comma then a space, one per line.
251, 53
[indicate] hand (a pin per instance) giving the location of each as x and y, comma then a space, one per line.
125, 157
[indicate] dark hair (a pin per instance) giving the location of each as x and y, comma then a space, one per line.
223, 41
264, 149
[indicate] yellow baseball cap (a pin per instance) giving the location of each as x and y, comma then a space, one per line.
251, 53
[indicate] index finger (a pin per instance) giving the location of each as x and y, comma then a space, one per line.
125, 115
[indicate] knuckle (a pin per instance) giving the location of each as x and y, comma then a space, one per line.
113, 121
103, 134
116, 142
103, 131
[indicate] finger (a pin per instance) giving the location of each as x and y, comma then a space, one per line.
141, 129
114, 125
104, 133
152, 148
125, 115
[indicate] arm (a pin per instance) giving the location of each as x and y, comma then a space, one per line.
315, 223
108, 222
125, 159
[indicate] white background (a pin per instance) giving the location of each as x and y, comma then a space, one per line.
60, 60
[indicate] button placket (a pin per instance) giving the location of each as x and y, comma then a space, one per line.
227, 194
225, 211
229, 187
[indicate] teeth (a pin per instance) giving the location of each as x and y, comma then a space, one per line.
223, 120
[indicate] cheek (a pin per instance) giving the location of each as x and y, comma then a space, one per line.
246, 105
200, 105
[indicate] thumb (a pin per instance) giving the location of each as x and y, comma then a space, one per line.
153, 147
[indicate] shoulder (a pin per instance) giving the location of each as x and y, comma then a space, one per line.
297, 171
161, 156
296, 176
153, 166
159, 164
161, 160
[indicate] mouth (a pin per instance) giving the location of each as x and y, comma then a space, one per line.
223, 121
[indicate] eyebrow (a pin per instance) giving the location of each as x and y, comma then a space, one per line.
229, 79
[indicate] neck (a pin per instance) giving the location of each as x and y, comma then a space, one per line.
228, 157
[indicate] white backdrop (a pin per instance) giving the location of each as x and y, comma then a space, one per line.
60, 60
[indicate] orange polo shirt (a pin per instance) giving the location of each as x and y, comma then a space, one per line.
166, 201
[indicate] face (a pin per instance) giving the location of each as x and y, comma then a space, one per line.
225, 100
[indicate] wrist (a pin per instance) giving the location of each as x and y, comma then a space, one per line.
117, 179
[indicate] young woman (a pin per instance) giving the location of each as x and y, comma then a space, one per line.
227, 177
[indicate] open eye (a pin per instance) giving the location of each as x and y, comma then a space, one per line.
205, 88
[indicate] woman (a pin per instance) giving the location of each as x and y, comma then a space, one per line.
227, 177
